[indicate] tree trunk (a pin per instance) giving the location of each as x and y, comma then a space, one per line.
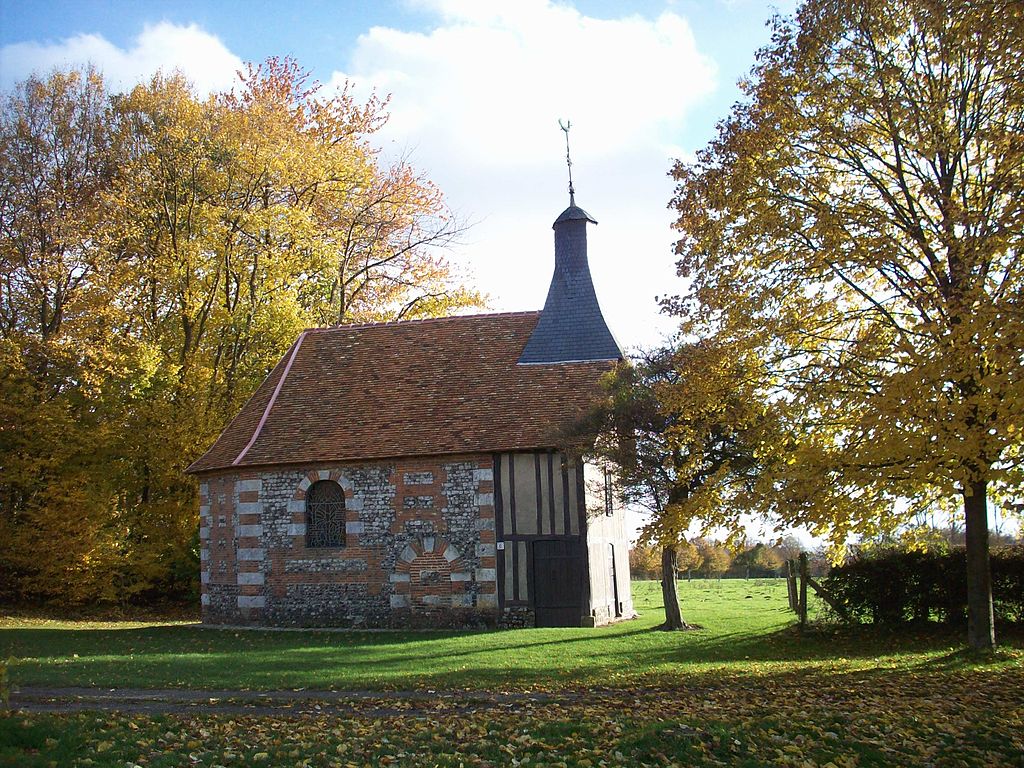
981, 631
673, 616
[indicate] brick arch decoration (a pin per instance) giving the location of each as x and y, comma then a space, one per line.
430, 576
297, 505
315, 475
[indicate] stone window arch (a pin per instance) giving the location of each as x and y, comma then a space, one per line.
325, 515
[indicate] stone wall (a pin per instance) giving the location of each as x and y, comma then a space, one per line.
419, 546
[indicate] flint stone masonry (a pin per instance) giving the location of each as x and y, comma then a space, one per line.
517, 617
326, 605
409, 559
221, 606
418, 502
325, 565
417, 528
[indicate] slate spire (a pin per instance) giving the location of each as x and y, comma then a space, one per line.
571, 327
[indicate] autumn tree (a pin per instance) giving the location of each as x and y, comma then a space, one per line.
644, 560
715, 557
158, 253
675, 426
627, 428
858, 220
688, 558
61, 369
760, 558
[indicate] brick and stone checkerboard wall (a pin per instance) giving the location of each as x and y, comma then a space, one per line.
419, 546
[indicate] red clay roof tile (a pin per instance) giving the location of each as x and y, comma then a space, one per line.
415, 388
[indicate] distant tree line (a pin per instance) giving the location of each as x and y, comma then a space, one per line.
706, 558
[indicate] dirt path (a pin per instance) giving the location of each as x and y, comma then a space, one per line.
280, 702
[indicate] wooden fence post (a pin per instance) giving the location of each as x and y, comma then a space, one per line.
791, 584
804, 576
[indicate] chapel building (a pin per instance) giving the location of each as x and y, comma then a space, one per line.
408, 474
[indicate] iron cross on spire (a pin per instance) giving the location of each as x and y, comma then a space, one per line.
568, 159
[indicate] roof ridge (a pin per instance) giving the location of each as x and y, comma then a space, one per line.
419, 321
273, 399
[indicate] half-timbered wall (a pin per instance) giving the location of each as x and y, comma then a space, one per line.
538, 497
540, 494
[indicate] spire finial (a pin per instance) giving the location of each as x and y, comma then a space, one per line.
568, 159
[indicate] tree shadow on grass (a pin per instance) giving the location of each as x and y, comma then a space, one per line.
188, 656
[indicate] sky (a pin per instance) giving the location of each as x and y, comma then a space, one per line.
477, 90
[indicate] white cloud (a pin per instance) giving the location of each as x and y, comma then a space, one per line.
480, 81
202, 57
477, 98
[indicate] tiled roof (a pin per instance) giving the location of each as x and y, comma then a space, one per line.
428, 387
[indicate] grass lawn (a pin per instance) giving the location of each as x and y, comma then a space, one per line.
745, 690
747, 630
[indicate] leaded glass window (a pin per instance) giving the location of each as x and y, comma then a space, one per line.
325, 515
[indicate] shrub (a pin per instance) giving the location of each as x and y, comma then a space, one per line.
894, 587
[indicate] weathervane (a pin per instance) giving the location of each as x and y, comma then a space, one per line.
568, 159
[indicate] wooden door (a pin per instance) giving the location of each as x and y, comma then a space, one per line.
557, 583
617, 610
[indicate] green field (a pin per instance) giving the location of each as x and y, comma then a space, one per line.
747, 689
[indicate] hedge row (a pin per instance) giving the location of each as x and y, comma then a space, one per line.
895, 587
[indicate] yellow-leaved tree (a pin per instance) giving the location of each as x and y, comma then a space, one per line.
159, 251
858, 221
679, 426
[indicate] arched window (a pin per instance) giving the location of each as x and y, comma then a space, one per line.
325, 515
